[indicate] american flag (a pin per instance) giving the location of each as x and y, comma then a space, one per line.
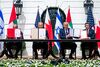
90, 18
37, 19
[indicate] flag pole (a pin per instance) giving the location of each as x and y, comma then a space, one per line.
56, 2
50, 43
69, 6
38, 7
58, 6
38, 10
47, 7
40, 20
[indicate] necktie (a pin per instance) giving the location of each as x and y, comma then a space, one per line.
87, 32
67, 32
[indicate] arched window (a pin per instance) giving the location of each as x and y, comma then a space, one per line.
52, 14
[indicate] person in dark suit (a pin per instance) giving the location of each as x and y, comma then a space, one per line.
65, 34
17, 45
88, 45
9, 47
40, 45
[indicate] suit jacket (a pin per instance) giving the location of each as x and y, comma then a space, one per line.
21, 37
38, 42
62, 33
91, 34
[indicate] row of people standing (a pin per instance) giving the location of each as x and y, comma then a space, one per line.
64, 34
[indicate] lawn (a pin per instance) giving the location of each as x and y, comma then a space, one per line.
48, 63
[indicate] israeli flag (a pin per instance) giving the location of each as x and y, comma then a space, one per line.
1, 30
58, 26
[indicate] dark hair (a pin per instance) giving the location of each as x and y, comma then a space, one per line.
87, 23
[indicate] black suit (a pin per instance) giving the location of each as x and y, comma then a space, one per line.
66, 45
17, 45
88, 45
9, 46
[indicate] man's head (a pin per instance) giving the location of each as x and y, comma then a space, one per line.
15, 26
65, 25
87, 25
40, 25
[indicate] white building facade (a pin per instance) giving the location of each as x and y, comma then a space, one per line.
27, 19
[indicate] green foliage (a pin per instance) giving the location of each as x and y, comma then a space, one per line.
46, 63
